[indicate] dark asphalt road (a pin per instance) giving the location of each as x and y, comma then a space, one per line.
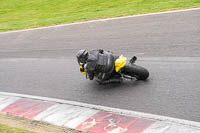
42, 62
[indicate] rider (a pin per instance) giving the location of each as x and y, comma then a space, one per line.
99, 64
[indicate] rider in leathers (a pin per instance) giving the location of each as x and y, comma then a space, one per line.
94, 63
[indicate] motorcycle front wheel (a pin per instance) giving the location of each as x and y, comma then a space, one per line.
140, 73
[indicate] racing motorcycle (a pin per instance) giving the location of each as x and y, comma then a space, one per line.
129, 70
125, 68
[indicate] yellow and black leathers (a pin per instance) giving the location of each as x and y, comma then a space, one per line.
119, 64
100, 64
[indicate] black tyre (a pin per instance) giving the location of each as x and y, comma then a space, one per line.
140, 73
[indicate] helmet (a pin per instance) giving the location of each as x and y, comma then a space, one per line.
82, 56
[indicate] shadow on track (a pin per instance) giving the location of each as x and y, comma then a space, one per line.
125, 85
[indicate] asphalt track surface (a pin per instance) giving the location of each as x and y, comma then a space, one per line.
42, 62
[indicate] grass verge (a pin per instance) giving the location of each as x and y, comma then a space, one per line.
8, 129
20, 14
24, 125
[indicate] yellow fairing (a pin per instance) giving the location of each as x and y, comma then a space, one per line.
120, 63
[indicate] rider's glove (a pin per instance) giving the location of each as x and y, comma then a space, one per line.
82, 69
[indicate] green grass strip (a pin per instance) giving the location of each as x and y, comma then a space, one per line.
20, 14
8, 129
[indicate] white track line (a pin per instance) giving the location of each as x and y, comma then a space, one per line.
151, 59
109, 109
106, 19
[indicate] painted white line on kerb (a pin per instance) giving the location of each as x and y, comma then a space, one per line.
66, 115
7, 100
106, 19
109, 109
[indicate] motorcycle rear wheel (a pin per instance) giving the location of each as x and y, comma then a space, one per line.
140, 73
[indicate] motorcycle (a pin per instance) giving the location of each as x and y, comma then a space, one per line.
127, 69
